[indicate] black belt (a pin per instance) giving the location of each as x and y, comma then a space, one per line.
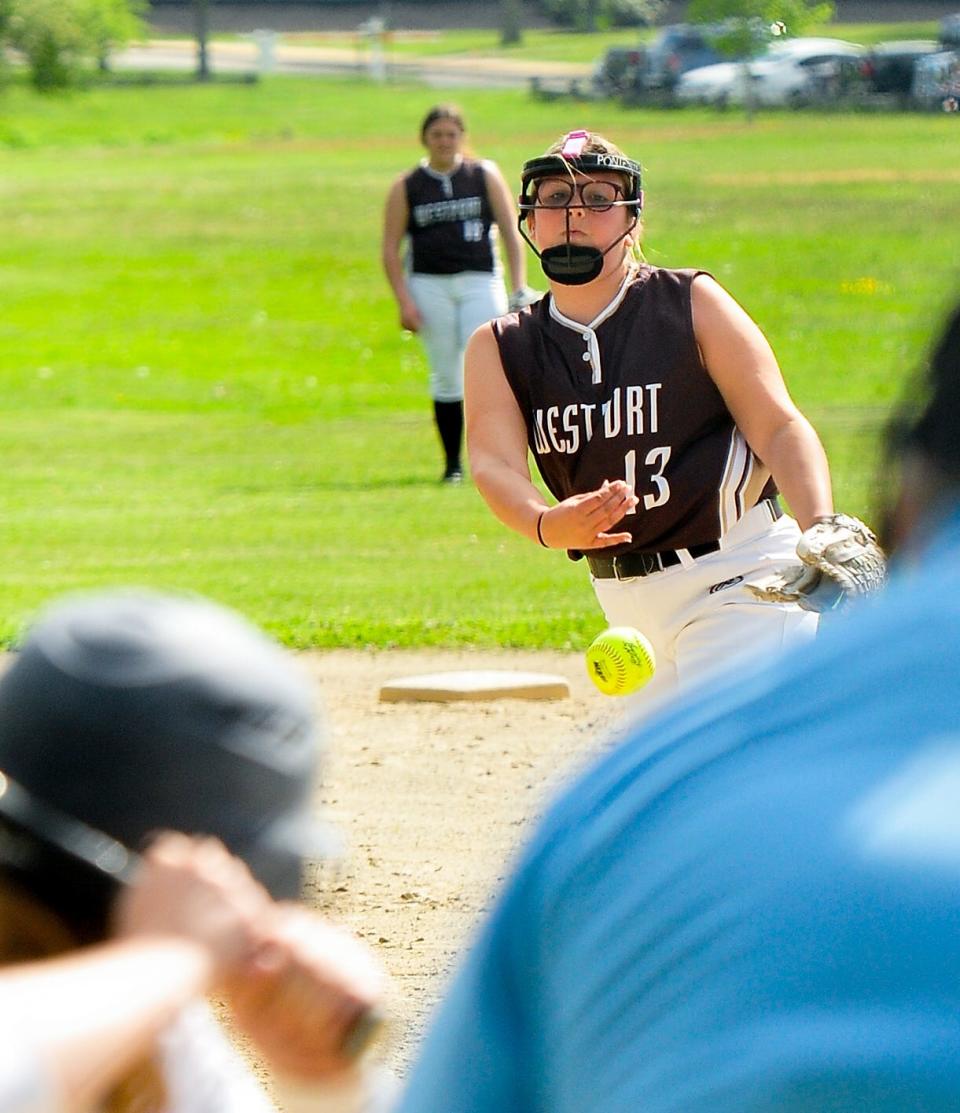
628, 565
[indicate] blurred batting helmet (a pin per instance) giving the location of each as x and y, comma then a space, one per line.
129, 712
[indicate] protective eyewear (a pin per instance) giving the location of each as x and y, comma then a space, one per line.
560, 193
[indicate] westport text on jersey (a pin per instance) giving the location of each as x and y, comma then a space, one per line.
631, 410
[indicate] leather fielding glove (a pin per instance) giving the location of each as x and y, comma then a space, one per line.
839, 560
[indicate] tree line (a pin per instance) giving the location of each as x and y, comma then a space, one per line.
60, 40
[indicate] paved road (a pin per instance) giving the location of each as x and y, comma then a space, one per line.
256, 54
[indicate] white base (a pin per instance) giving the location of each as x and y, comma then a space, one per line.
488, 684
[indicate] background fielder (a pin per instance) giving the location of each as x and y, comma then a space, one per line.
449, 209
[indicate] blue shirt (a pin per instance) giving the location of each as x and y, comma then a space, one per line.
751, 904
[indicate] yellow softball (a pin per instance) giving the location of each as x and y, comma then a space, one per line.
620, 661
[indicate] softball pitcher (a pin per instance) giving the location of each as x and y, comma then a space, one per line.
659, 420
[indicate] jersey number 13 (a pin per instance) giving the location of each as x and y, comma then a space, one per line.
658, 459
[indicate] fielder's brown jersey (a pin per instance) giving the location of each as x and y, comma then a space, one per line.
450, 220
628, 397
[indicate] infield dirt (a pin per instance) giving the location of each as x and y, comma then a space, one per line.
433, 799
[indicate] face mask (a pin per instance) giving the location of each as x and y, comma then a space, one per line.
568, 263
574, 264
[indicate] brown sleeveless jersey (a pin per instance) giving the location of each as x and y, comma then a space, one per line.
628, 397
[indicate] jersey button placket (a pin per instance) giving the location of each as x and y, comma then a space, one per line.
592, 354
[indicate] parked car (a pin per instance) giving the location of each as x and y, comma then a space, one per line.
936, 80
617, 70
888, 67
675, 50
791, 72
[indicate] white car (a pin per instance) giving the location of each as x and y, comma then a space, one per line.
791, 72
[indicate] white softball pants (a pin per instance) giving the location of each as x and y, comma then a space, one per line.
452, 306
698, 615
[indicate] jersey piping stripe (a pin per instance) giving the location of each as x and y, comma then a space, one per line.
736, 476
588, 332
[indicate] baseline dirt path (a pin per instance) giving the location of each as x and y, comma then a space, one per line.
433, 799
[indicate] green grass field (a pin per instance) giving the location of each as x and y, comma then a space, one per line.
204, 382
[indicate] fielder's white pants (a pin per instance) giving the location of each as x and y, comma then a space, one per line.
699, 617
452, 307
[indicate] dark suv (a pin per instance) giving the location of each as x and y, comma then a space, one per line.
676, 49
652, 71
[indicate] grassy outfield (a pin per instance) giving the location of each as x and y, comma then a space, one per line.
204, 382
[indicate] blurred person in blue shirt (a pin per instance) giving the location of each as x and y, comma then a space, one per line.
751, 902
